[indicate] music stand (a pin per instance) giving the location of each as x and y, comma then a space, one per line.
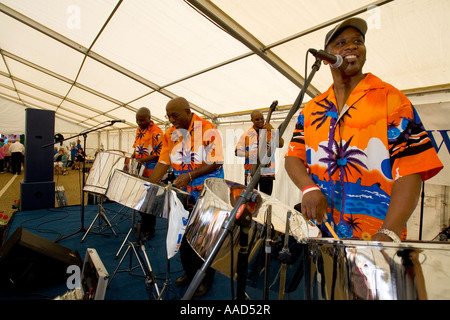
84, 133
246, 195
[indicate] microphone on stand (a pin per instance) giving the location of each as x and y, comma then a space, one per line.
334, 60
114, 121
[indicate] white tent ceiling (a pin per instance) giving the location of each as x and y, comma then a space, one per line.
99, 60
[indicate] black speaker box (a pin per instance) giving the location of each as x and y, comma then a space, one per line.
28, 261
39, 131
37, 195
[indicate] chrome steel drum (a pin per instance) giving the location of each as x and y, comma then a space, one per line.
104, 165
213, 208
137, 193
369, 270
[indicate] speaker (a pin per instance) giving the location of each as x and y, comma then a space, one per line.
28, 261
39, 131
37, 195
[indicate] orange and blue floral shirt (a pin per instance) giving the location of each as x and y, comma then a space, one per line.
356, 156
187, 150
148, 142
257, 141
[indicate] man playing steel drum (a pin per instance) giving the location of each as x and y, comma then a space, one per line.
193, 148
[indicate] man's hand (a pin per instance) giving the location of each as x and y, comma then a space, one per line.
314, 205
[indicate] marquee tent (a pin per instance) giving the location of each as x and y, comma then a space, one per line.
96, 61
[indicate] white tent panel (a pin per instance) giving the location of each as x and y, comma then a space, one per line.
111, 83
9, 94
4, 81
243, 85
35, 103
270, 21
164, 40
89, 99
79, 20
77, 109
123, 114
71, 115
38, 48
402, 51
3, 67
155, 101
45, 81
26, 90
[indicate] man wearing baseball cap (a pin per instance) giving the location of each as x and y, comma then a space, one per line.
359, 151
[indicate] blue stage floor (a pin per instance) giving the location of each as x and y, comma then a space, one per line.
54, 224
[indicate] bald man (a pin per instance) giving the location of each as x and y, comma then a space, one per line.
249, 146
193, 148
148, 142
192, 160
147, 148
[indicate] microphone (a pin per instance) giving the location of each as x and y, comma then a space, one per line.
114, 121
274, 104
334, 60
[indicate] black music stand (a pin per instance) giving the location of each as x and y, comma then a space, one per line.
246, 195
84, 133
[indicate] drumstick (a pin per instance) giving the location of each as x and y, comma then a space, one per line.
331, 230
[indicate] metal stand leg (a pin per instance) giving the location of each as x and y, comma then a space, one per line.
100, 214
144, 262
167, 287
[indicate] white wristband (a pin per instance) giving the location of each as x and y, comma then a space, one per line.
391, 234
312, 188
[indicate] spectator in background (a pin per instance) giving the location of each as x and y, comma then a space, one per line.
73, 155
80, 155
17, 152
7, 153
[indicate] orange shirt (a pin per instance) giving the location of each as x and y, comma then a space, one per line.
250, 141
187, 150
356, 156
148, 142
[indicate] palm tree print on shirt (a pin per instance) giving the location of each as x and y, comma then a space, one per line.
339, 157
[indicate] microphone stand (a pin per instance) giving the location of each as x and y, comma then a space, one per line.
84, 133
246, 195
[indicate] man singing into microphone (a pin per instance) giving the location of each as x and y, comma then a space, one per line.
359, 151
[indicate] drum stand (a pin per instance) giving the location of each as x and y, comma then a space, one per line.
246, 195
168, 283
284, 257
101, 215
144, 263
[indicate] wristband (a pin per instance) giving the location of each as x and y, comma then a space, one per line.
391, 234
190, 178
310, 188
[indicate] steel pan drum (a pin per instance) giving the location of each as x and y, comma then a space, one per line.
104, 165
213, 208
369, 270
137, 193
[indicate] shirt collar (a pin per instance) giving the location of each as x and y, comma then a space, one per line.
370, 82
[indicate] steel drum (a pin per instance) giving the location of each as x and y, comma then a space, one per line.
138, 193
213, 208
369, 270
104, 165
